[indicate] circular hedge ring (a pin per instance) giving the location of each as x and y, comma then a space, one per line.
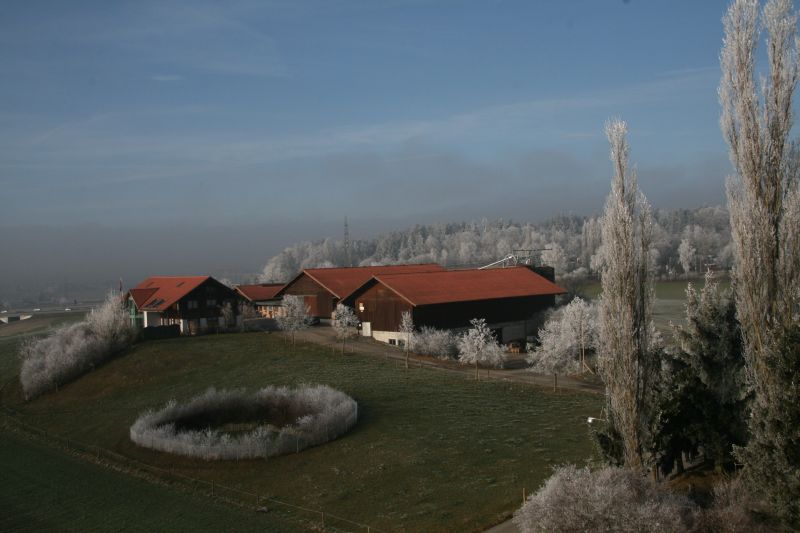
239, 425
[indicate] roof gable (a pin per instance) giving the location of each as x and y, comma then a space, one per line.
260, 292
340, 282
430, 288
163, 291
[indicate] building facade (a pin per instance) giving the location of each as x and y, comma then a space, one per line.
196, 304
507, 298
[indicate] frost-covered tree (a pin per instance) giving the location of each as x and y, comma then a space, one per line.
343, 323
72, 351
625, 356
478, 346
228, 314
686, 255
609, 499
441, 343
564, 341
764, 205
579, 323
295, 316
553, 255
407, 329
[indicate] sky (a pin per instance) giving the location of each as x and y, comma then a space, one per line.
152, 128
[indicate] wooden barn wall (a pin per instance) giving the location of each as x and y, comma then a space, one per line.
317, 297
382, 308
458, 314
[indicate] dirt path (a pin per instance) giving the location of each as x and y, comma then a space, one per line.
515, 371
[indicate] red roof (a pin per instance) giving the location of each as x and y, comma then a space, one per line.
158, 293
342, 281
264, 291
448, 286
140, 296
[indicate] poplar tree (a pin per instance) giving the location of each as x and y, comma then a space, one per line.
764, 205
626, 359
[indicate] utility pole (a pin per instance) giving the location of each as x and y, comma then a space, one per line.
347, 258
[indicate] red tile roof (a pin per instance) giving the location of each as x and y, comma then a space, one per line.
264, 291
158, 293
342, 281
448, 286
140, 296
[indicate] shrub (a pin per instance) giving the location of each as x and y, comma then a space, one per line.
287, 421
610, 499
71, 351
732, 511
436, 342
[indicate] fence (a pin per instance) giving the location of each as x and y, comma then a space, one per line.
314, 519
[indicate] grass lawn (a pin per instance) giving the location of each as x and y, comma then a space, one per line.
669, 304
47, 490
432, 451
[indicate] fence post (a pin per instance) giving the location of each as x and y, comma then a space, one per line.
323, 517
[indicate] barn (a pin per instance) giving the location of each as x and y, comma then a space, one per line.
263, 297
193, 303
508, 298
323, 288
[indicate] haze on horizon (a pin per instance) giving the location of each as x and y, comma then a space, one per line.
142, 138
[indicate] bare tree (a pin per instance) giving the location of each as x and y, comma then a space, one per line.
478, 345
625, 358
764, 205
228, 315
344, 322
295, 316
407, 329
686, 255
564, 340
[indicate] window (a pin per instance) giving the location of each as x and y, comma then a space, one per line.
211, 302
191, 304
393, 342
401, 342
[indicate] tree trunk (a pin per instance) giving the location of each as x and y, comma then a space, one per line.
583, 351
555, 382
406, 356
477, 378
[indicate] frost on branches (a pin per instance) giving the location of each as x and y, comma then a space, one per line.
764, 206
626, 360
72, 351
478, 346
566, 341
295, 316
344, 323
407, 329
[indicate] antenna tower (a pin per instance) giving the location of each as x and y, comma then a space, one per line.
347, 244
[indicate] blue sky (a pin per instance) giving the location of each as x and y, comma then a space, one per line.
295, 114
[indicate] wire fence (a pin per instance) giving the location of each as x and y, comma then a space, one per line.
314, 519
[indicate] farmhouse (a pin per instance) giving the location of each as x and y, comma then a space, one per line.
508, 298
323, 288
263, 297
193, 303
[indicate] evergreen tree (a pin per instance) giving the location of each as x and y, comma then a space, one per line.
703, 401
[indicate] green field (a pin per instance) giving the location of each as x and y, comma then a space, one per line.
47, 490
432, 451
669, 305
